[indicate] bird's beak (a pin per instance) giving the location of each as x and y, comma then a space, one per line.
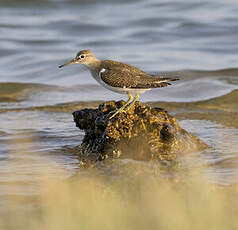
69, 63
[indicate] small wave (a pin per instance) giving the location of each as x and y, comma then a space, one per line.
15, 91
218, 72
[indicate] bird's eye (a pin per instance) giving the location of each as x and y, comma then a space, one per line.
82, 56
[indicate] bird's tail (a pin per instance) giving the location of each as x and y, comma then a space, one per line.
155, 81
162, 81
166, 78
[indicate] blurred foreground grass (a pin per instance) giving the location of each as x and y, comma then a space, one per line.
142, 200
144, 203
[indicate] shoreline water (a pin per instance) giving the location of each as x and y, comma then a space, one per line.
185, 38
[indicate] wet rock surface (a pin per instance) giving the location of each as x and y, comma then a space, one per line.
142, 133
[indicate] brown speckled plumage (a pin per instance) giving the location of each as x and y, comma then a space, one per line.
121, 75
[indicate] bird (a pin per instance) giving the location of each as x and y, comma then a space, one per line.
120, 77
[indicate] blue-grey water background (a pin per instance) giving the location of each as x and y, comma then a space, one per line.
196, 40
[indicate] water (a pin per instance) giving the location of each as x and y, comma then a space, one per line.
196, 40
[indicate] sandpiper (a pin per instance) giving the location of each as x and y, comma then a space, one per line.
119, 77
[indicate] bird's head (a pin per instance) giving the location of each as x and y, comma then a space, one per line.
85, 57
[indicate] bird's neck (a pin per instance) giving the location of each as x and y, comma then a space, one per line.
95, 65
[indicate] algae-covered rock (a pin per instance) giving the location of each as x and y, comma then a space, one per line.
143, 133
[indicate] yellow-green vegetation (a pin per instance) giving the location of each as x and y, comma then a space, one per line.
141, 133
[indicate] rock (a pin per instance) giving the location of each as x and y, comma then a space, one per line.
143, 133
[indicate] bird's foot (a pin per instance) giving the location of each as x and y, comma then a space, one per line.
121, 110
126, 106
129, 106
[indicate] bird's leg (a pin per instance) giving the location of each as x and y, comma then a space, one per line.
123, 107
133, 102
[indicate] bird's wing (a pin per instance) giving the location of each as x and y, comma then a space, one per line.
125, 76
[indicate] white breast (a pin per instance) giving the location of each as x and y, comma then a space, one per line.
101, 71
